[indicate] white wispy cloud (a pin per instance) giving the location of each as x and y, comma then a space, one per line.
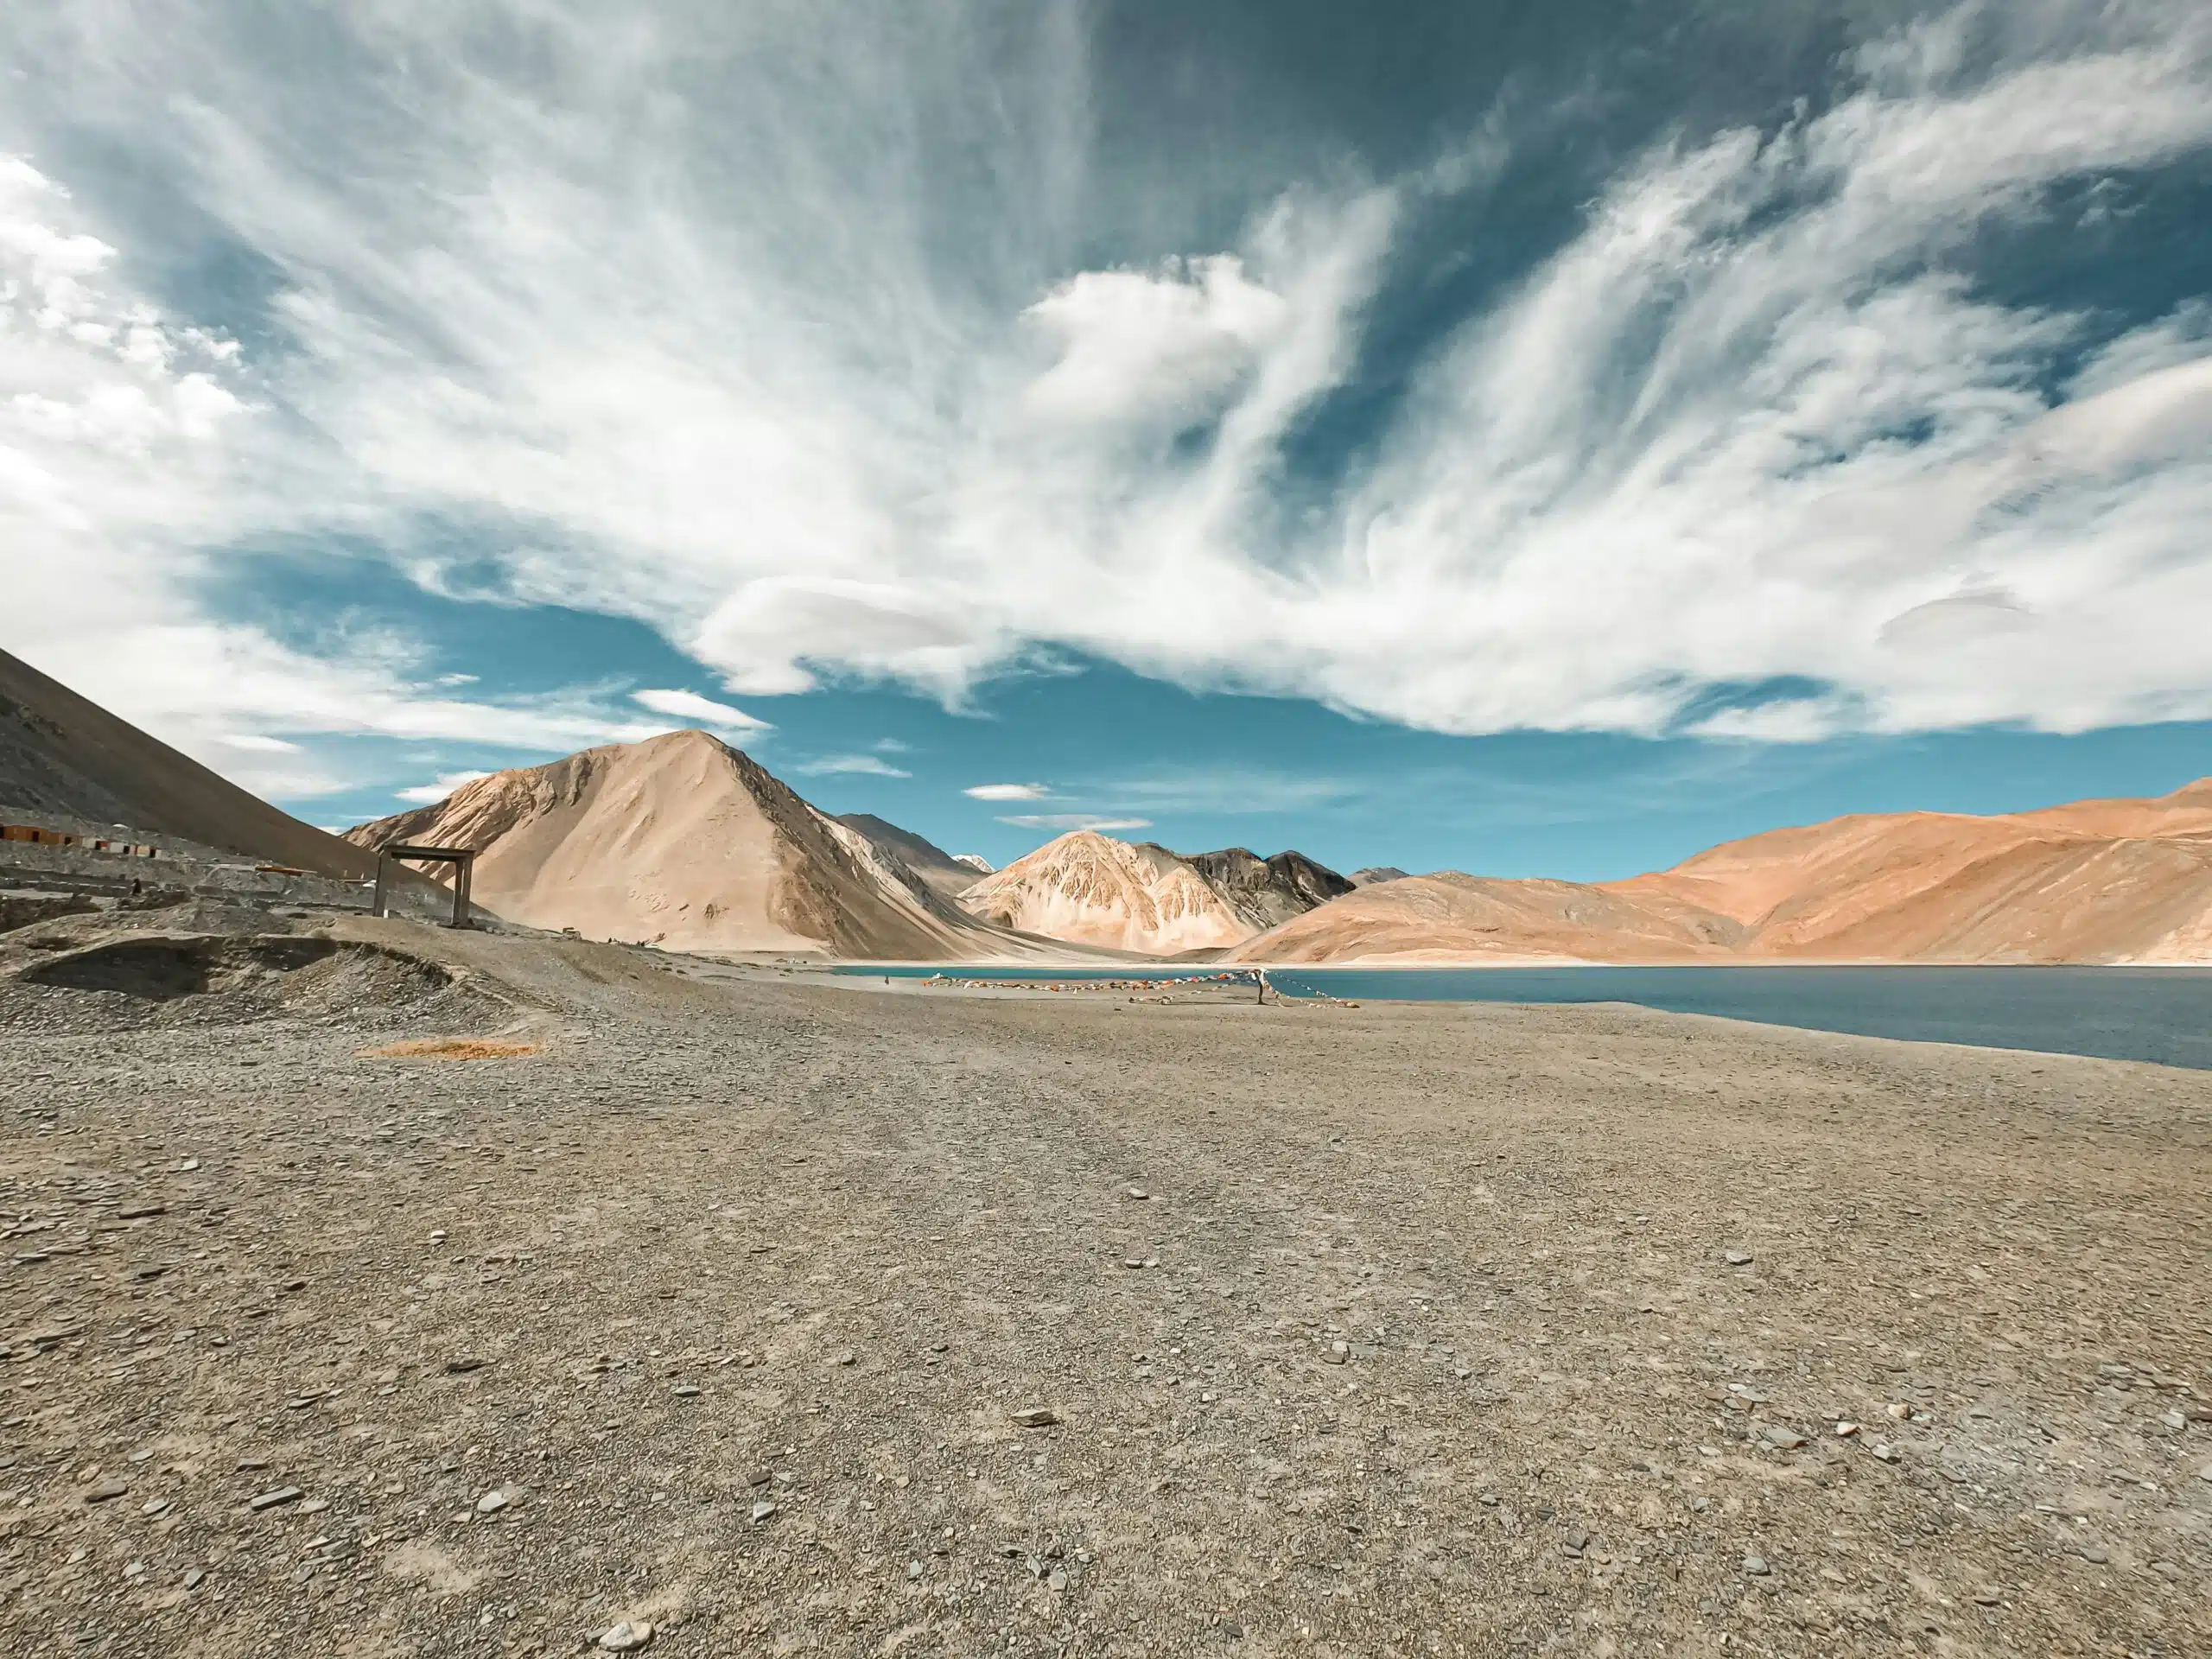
1755, 420
256, 743
690, 705
1689, 437
873, 765
1794, 720
1231, 788
131, 441
1064, 822
1008, 793
429, 794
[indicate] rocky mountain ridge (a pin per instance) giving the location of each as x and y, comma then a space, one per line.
1089, 888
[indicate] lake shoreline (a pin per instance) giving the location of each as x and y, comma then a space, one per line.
2157, 1014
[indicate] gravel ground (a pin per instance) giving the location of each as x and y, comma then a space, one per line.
782, 1317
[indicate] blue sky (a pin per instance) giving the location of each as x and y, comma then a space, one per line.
1522, 439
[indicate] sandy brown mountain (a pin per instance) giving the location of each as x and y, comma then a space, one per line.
1449, 916
1093, 889
684, 841
63, 755
2090, 881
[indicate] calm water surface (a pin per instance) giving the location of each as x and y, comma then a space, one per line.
2161, 1014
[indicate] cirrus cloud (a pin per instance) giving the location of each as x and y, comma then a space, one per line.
871, 404
1066, 821
690, 705
429, 794
873, 765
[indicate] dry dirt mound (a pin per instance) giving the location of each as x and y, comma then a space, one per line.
74, 930
138, 978
158, 967
19, 908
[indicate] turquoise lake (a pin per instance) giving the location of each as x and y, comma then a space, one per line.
2159, 1014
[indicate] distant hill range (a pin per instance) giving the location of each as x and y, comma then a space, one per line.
684, 841
2093, 881
62, 756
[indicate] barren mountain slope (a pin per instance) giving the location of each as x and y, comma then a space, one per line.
1451, 917
1269, 892
1842, 871
685, 841
2187, 812
946, 874
61, 753
2088, 881
2042, 901
1091, 889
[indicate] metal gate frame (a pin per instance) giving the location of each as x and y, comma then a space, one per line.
464, 862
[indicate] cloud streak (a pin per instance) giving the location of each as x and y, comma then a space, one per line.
672, 306
872, 765
1061, 823
430, 794
690, 705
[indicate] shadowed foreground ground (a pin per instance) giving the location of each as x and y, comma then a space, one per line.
717, 1314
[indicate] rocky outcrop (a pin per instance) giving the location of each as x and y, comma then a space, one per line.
1093, 889
1269, 892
